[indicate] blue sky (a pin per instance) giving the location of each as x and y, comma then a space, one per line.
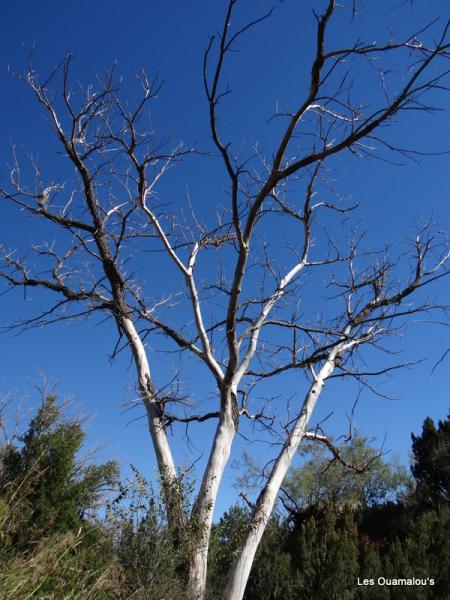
271, 66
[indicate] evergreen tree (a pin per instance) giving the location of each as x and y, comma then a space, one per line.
324, 549
44, 487
431, 468
371, 567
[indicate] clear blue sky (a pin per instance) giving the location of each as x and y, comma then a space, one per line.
168, 39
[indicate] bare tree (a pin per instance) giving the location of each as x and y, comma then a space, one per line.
246, 326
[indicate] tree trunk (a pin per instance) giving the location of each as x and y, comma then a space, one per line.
169, 479
203, 510
242, 565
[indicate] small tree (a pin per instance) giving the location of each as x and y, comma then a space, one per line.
356, 476
241, 319
44, 485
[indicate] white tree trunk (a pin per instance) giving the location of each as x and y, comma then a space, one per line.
241, 569
164, 456
204, 508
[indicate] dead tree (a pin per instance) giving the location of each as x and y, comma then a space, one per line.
245, 325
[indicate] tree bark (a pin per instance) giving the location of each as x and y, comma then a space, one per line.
203, 510
242, 566
166, 466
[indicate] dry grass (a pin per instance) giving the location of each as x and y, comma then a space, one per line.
59, 569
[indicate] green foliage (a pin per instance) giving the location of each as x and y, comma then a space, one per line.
53, 543
154, 565
226, 537
431, 468
45, 487
321, 480
341, 526
325, 551
49, 548
273, 576
371, 567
